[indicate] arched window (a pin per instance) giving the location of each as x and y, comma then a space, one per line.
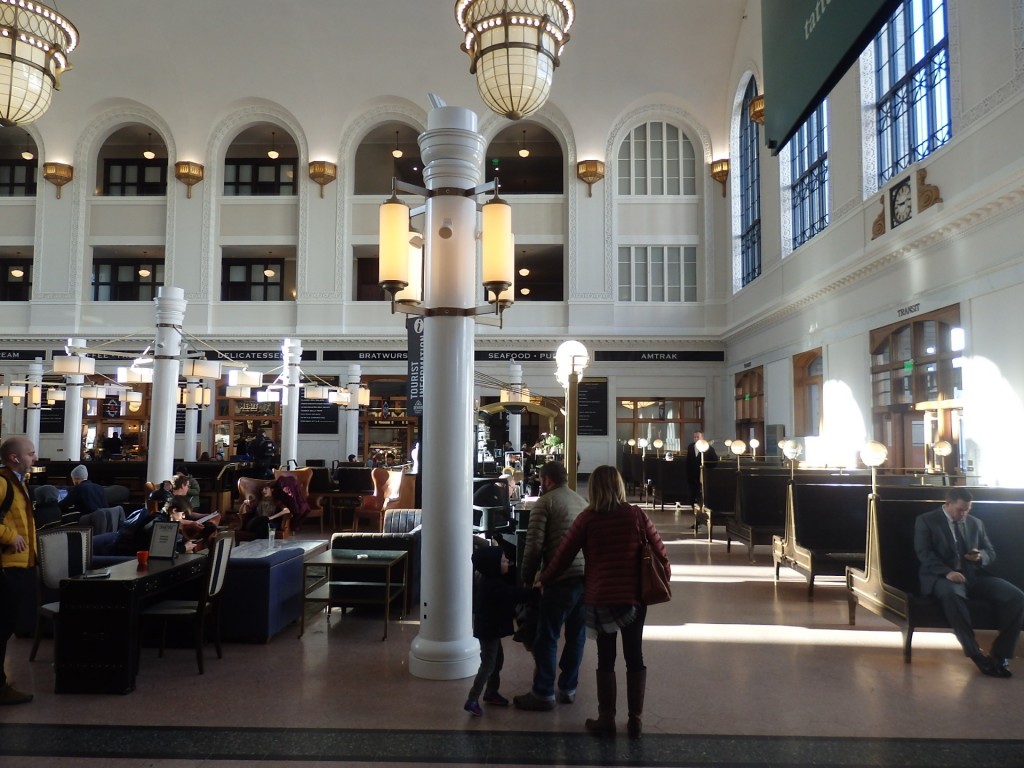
656, 158
808, 168
807, 388
750, 190
911, 85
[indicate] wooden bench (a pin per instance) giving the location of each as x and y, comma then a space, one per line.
889, 583
825, 530
670, 484
760, 510
719, 495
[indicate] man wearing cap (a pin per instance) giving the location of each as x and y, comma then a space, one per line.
85, 496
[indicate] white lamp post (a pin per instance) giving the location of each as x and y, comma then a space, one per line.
874, 454
571, 359
452, 149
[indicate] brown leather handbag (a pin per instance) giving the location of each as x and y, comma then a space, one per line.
654, 584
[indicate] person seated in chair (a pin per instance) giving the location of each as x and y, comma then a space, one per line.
85, 496
46, 510
192, 494
192, 536
260, 515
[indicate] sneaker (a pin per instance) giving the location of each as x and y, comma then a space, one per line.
533, 703
473, 707
495, 698
565, 697
11, 695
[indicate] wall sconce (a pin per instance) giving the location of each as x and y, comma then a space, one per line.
58, 174
590, 172
189, 174
720, 172
323, 173
756, 109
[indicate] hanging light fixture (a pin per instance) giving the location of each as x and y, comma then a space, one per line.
397, 151
523, 151
149, 154
514, 47
272, 153
26, 150
36, 41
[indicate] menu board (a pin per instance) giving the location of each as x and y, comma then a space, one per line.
317, 417
592, 407
179, 422
51, 418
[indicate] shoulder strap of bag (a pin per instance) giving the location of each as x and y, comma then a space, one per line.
641, 529
8, 501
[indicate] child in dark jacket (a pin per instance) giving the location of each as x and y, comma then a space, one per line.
494, 608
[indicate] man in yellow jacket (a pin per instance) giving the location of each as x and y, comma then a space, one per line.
17, 544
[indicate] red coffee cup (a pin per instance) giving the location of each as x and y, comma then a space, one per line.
143, 557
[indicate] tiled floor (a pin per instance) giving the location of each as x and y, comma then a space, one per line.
742, 672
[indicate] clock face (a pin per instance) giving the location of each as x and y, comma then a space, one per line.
900, 202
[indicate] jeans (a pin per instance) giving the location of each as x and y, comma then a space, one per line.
488, 677
632, 644
561, 603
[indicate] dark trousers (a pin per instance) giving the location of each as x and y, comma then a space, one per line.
488, 677
1007, 600
8, 615
632, 644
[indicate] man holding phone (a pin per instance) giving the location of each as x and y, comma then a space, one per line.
954, 550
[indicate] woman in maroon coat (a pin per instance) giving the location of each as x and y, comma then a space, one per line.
608, 532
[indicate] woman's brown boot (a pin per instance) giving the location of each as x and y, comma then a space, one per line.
636, 685
604, 725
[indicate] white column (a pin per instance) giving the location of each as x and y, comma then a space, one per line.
291, 357
452, 151
170, 314
34, 403
352, 412
515, 417
572, 395
191, 419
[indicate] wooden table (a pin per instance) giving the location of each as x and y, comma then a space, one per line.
379, 588
97, 643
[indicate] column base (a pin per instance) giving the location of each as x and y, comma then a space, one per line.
444, 660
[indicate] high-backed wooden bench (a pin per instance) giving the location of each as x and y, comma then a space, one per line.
889, 583
760, 509
719, 494
825, 531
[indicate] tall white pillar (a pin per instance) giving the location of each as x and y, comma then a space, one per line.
452, 151
515, 417
73, 410
170, 314
291, 357
352, 412
34, 401
191, 418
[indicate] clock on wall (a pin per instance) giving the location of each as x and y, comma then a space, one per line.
900, 206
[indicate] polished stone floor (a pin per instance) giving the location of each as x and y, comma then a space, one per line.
743, 671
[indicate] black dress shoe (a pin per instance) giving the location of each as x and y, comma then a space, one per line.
990, 666
1003, 668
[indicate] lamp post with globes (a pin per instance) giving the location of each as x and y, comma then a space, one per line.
571, 360
702, 447
738, 448
874, 454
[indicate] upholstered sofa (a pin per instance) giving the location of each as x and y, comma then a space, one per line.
263, 590
401, 531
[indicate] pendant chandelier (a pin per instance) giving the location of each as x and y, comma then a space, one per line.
34, 44
514, 47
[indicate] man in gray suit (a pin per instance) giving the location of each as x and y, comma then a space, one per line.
954, 550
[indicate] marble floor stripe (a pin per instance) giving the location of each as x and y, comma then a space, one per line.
368, 747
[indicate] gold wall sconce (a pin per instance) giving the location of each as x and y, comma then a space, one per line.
189, 174
756, 109
720, 172
58, 174
323, 173
590, 172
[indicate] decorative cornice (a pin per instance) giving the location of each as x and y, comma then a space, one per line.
1008, 204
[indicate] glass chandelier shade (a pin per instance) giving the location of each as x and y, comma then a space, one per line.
514, 47
34, 44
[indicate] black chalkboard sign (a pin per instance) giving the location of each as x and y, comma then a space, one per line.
51, 418
317, 417
179, 422
592, 407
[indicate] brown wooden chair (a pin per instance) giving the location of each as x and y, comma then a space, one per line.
372, 507
304, 475
252, 487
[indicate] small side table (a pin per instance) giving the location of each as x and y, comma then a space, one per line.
380, 587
